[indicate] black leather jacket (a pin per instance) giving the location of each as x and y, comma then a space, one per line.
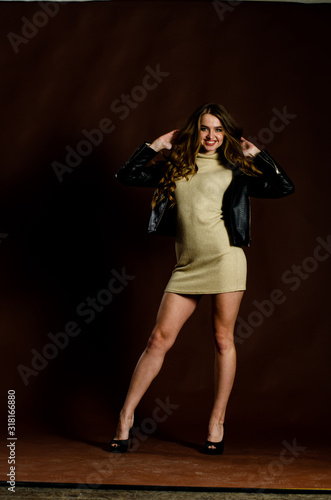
274, 183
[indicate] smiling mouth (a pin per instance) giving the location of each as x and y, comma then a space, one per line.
210, 143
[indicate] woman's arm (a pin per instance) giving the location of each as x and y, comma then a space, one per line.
135, 171
274, 182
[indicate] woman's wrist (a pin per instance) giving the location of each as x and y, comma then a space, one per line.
256, 151
252, 152
156, 146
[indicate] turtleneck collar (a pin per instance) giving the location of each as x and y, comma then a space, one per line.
214, 156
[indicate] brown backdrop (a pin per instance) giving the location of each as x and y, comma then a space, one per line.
66, 226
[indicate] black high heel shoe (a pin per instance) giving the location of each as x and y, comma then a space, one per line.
122, 445
219, 447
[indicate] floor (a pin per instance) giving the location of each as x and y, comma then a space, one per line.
54, 466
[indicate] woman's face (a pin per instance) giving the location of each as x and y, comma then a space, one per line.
211, 134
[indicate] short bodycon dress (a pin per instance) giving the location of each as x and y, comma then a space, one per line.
206, 262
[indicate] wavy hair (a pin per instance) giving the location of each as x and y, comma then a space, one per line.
186, 144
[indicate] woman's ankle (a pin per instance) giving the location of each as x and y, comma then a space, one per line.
216, 419
126, 416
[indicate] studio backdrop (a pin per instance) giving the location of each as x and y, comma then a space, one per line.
82, 86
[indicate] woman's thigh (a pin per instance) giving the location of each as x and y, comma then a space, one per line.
174, 311
225, 309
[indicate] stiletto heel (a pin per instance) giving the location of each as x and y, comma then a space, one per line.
219, 447
122, 445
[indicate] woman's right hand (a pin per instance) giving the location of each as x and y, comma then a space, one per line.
164, 141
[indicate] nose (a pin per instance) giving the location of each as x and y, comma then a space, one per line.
210, 134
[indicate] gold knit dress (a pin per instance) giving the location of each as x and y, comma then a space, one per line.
206, 262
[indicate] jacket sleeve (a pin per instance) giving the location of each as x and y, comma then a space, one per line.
274, 182
135, 171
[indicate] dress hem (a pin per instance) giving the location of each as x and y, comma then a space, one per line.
242, 289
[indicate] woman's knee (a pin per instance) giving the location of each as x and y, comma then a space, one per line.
224, 339
161, 339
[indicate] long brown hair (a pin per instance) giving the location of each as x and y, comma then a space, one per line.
186, 144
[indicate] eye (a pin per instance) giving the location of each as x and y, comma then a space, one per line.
203, 128
219, 130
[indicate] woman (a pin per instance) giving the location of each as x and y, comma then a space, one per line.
202, 197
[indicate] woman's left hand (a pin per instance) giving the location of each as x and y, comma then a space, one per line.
248, 148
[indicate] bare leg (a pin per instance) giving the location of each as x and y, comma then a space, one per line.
173, 312
225, 308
